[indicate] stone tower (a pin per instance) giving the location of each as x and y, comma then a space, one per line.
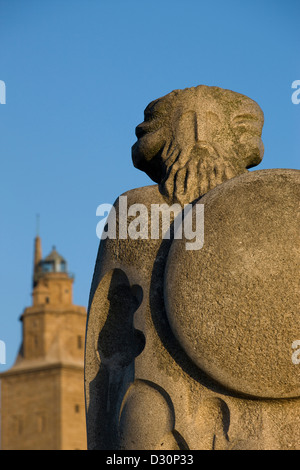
42, 395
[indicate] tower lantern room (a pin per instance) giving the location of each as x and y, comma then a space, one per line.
52, 284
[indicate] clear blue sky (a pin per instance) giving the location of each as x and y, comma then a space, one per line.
78, 75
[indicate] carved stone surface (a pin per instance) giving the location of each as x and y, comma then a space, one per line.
235, 311
192, 349
194, 139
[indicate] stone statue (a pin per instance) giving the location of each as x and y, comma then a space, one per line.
192, 349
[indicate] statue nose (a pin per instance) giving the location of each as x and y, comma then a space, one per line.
194, 127
201, 128
140, 131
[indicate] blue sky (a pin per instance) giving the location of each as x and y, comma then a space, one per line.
78, 76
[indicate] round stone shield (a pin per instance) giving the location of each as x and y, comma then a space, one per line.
234, 304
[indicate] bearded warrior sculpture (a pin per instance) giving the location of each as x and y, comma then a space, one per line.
192, 349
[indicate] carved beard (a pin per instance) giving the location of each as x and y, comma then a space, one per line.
193, 171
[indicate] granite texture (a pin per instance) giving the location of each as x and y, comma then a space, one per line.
192, 349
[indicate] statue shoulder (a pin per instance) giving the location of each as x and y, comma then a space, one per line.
144, 195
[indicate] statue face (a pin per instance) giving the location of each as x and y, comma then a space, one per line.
199, 125
152, 135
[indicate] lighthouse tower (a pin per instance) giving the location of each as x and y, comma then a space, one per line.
42, 395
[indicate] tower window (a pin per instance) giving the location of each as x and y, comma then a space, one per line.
63, 267
77, 408
79, 342
48, 267
41, 422
18, 425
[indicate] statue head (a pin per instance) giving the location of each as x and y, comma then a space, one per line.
191, 140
